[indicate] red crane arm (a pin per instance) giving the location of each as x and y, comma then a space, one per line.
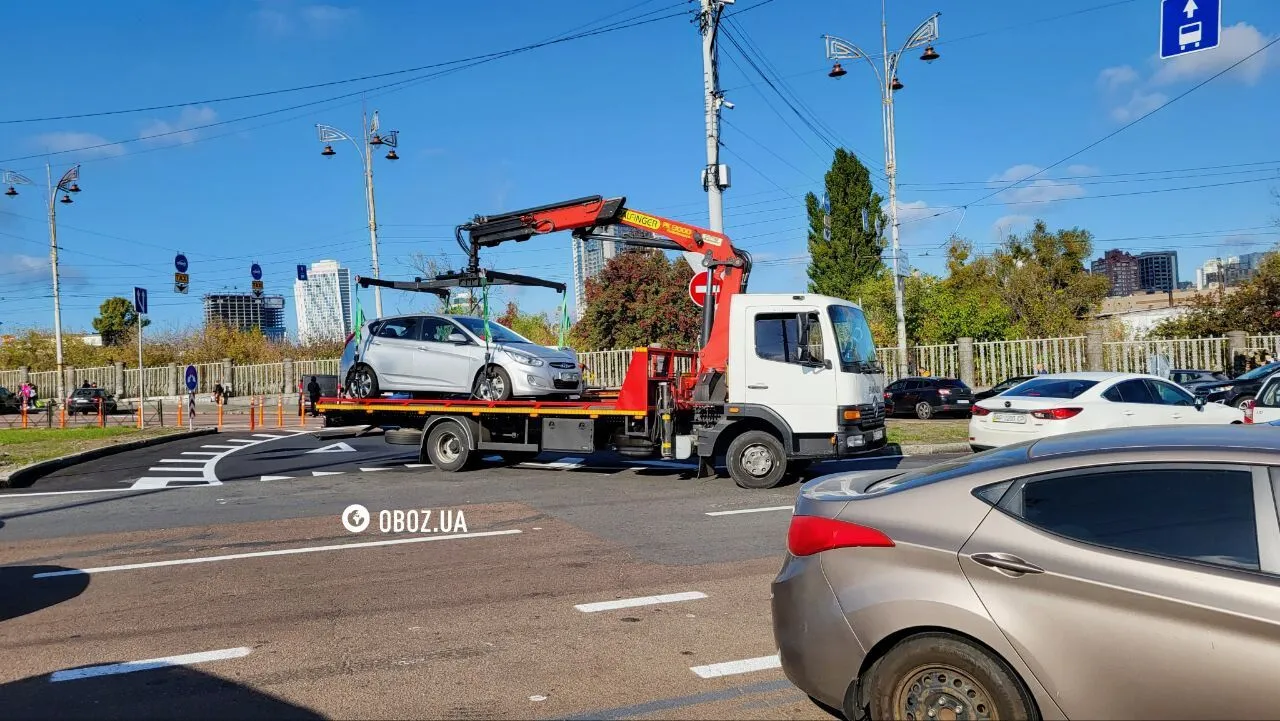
729, 266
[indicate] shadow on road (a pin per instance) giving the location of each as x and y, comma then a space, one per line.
169, 693
21, 594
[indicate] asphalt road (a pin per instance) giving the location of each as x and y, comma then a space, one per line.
264, 606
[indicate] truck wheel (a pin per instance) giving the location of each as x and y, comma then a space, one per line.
945, 670
493, 385
363, 382
756, 459
447, 447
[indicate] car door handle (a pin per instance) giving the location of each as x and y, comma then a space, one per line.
1128, 413
1006, 562
758, 386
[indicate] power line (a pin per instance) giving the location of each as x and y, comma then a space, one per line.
1080, 179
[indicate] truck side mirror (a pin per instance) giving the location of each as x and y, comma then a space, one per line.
826, 363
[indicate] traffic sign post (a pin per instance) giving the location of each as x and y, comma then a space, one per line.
192, 379
180, 278
1189, 26
255, 270
698, 288
302, 273
140, 308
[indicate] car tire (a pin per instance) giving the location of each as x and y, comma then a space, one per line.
447, 447
362, 382
924, 411
495, 388
756, 460
947, 668
1242, 401
403, 437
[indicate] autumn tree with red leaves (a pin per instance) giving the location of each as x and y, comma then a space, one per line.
640, 297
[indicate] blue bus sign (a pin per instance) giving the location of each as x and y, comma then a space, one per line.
1189, 26
192, 378
255, 270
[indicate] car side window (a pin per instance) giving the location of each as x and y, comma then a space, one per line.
1270, 396
437, 330
399, 328
1205, 515
1132, 391
778, 337
1170, 395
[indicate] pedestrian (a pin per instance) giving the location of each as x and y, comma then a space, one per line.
313, 390
86, 384
1040, 369
218, 393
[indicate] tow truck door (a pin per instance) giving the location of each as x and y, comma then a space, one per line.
784, 367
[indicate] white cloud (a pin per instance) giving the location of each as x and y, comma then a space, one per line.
1237, 42
1117, 77
1083, 170
1035, 192
181, 131
88, 144
282, 18
1140, 103
25, 269
1007, 224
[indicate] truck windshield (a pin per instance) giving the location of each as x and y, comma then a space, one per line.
853, 338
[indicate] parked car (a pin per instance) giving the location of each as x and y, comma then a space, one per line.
1266, 407
9, 401
1000, 387
86, 400
1239, 390
1051, 405
1121, 574
927, 397
1192, 379
445, 355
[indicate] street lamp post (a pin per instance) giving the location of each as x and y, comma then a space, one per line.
66, 185
838, 49
371, 137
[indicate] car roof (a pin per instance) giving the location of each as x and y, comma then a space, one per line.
1094, 375
1185, 438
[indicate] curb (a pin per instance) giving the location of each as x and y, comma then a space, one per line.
27, 475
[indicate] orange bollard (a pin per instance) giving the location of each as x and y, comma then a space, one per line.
302, 418
262, 410
219, 414
280, 412
179, 414
24, 414
62, 415
102, 422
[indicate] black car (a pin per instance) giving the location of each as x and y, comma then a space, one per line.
1192, 379
9, 401
86, 401
1001, 387
926, 397
1239, 390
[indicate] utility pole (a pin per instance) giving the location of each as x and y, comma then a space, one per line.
368, 194
715, 175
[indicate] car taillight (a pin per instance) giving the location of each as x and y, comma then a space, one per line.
888, 396
1248, 411
813, 534
1056, 414
980, 411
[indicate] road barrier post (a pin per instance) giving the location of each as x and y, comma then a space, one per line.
262, 410
102, 421
62, 415
219, 414
302, 420
24, 413
160, 411
252, 414
179, 415
279, 411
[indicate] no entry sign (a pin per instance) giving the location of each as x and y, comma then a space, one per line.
698, 288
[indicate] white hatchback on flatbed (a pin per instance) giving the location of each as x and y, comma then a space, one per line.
1051, 405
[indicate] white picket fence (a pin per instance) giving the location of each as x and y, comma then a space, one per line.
993, 361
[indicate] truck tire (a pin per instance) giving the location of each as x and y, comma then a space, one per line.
757, 460
403, 437
447, 447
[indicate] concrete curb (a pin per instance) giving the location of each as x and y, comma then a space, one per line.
925, 449
27, 475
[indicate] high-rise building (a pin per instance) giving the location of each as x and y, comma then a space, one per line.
589, 258
1158, 271
323, 302
1217, 273
1121, 269
245, 311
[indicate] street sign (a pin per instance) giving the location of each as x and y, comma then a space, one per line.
255, 270
1189, 26
698, 288
826, 218
192, 378
140, 301
257, 287
180, 263
180, 282
302, 273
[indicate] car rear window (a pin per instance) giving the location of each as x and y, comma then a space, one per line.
952, 383
989, 460
1051, 388
84, 392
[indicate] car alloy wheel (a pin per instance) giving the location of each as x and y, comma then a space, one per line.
941, 692
492, 388
361, 384
924, 411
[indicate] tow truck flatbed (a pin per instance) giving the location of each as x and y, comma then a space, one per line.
593, 408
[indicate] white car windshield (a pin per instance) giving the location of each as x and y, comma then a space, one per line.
498, 333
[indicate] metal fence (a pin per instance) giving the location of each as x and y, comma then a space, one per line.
994, 361
1191, 353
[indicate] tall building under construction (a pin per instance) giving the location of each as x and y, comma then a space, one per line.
245, 311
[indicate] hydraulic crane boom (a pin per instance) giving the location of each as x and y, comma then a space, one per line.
591, 216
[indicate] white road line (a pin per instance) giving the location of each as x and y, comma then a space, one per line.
200, 453
640, 601
327, 473
181, 460
276, 478
243, 441
149, 664
179, 469
371, 470
225, 448
750, 510
417, 465
729, 668
267, 436
281, 552
562, 463
64, 493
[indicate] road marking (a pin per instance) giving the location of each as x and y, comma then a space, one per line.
276, 478
149, 664
206, 467
267, 436
327, 473
749, 510
339, 447
181, 460
180, 469
371, 470
728, 668
417, 465
641, 601
242, 441
280, 552
562, 463
200, 453
225, 448
63, 493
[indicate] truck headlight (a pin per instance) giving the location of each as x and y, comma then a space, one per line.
524, 358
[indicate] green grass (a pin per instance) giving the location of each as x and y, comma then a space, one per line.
21, 446
909, 431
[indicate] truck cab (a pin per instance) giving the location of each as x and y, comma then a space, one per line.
803, 370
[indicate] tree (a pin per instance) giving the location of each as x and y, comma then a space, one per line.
1253, 307
640, 297
459, 303
537, 327
1042, 279
963, 304
115, 317
852, 256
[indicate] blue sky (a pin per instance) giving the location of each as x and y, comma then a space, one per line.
1017, 89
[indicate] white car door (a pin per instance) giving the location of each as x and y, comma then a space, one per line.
1137, 404
1267, 407
1178, 406
789, 372
392, 352
449, 358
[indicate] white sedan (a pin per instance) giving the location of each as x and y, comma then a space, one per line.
1051, 405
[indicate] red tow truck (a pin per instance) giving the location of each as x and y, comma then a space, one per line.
781, 380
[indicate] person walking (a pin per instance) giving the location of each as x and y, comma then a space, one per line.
313, 392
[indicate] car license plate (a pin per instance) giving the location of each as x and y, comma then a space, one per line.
1009, 417
963, 401
877, 434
